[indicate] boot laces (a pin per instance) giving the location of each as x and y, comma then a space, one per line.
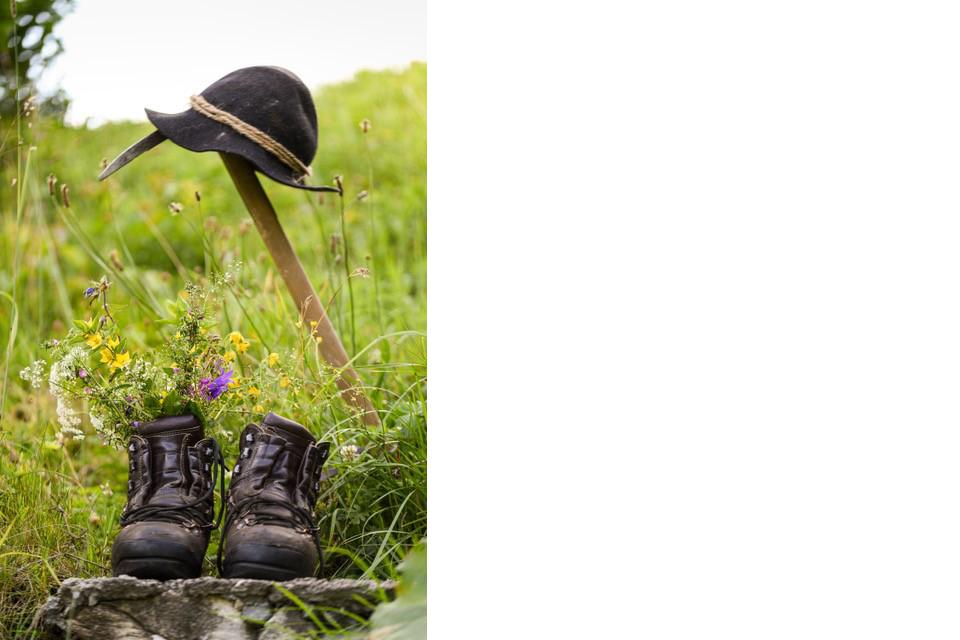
249, 510
188, 513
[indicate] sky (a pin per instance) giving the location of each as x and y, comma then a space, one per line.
124, 55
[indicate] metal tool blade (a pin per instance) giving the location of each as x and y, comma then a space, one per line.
144, 144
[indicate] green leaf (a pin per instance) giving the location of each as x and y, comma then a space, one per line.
406, 617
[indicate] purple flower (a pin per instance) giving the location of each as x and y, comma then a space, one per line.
90, 292
82, 373
213, 388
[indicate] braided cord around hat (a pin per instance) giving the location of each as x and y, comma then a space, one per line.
251, 132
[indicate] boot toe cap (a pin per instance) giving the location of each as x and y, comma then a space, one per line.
269, 552
159, 550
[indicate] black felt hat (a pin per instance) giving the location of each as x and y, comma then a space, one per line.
264, 114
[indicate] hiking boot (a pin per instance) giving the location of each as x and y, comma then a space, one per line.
270, 532
169, 514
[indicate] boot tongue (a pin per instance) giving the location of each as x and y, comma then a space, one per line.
287, 429
167, 438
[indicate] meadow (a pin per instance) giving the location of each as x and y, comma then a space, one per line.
172, 218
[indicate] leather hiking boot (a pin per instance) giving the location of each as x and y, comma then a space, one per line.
270, 532
169, 514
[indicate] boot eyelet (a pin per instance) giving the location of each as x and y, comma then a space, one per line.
132, 447
236, 469
246, 452
249, 437
206, 467
130, 485
209, 451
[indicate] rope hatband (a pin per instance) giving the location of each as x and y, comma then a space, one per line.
250, 132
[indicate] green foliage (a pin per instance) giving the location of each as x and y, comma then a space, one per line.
30, 45
373, 498
406, 617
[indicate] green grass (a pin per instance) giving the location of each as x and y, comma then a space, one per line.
55, 520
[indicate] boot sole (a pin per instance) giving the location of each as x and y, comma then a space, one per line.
260, 571
155, 559
265, 562
155, 569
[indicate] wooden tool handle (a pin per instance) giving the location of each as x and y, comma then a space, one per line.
265, 218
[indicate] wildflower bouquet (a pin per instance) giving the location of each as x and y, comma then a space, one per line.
94, 365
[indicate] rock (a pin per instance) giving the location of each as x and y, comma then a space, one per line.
200, 609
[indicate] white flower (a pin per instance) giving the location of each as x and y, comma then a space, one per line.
66, 415
349, 452
72, 432
33, 373
63, 370
97, 421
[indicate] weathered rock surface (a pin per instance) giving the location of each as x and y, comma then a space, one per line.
199, 609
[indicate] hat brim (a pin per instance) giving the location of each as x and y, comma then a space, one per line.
196, 132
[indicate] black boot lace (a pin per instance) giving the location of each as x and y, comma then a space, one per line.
188, 513
248, 509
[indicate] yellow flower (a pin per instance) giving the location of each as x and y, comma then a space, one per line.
319, 339
236, 337
243, 346
230, 356
234, 383
94, 340
313, 324
122, 360
258, 408
284, 382
273, 359
106, 356
254, 392
113, 342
